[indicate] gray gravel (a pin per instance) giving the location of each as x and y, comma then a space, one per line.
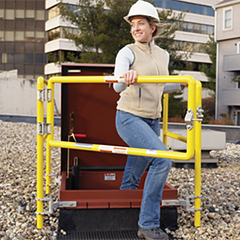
220, 190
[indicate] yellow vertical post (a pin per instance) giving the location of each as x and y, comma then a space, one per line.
191, 106
197, 202
165, 118
50, 120
40, 141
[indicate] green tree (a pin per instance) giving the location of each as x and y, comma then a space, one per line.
210, 71
89, 20
167, 42
177, 107
102, 30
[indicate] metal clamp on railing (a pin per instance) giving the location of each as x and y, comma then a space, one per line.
200, 112
41, 95
174, 202
54, 205
63, 204
188, 208
189, 119
49, 95
43, 128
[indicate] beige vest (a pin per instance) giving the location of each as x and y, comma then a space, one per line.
144, 99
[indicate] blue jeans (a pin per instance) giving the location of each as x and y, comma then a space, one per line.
141, 132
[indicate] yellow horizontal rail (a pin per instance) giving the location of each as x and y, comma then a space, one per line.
123, 150
176, 136
108, 79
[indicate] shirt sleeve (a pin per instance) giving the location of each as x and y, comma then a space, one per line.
124, 60
171, 87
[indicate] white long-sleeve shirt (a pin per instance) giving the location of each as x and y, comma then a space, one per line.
124, 60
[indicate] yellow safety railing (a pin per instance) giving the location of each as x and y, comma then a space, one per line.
193, 138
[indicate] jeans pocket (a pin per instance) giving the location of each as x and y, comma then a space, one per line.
125, 117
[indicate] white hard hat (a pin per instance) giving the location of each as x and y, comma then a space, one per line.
142, 8
146, 9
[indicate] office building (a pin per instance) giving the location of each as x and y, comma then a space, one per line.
22, 37
199, 24
228, 60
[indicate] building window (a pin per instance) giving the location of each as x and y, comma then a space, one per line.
40, 15
19, 36
198, 28
9, 57
30, 14
9, 36
19, 13
9, 14
28, 58
185, 6
39, 57
53, 12
1, 13
19, 57
227, 18
1, 36
53, 34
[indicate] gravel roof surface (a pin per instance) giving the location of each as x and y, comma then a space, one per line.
220, 190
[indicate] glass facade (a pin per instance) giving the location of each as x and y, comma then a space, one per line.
198, 28
22, 37
191, 46
185, 7
58, 32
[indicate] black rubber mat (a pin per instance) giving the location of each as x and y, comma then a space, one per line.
100, 235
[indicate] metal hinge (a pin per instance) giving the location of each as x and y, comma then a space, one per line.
191, 208
189, 117
181, 202
41, 95
199, 113
49, 95
57, 179
43, 128
175, 202
64, 204
54, 205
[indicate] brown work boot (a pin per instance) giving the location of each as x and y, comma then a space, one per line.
152, 234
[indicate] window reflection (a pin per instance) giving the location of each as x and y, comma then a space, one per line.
198, 28
54, 34
190, 46
53, 12
185, 6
